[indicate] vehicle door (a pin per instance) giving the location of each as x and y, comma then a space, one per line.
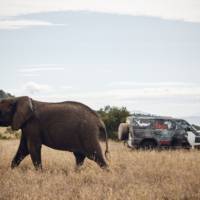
163, 130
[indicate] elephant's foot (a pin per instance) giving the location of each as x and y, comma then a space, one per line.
14, 165
79, 159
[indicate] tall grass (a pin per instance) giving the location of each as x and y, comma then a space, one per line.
132, 175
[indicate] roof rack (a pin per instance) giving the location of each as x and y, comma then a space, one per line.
153, 117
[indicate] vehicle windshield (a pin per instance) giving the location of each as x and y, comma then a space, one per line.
182, 124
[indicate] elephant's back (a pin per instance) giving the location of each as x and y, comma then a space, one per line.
64, 107
68, 111
81, 106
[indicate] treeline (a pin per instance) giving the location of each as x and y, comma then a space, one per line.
112, 117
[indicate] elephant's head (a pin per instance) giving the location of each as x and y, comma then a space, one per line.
15, 112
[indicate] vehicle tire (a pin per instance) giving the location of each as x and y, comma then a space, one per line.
180, 144
123, 131
148, 144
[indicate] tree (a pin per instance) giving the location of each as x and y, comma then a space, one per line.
112, 117
4, 95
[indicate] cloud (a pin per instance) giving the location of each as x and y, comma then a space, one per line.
66, 88
167, 99
156, 94
159, 91
32, 88
33, 70
165, 94
149, 84
30, 75
42, 91
187, 10
41, 69
19, 24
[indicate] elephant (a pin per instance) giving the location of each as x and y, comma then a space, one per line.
68, 126
123, 131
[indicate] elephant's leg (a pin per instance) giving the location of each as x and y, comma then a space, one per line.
97, 156
22, 152
35, 152
79, 158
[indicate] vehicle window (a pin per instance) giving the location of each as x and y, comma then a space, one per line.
164, 124
181, 124
153, 124
142, 123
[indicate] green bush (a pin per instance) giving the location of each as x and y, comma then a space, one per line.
112, 117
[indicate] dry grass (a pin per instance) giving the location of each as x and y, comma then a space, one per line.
8, 133
132, 175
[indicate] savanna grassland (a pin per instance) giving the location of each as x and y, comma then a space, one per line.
132, 175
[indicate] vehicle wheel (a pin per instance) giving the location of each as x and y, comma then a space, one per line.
176, 144
123, 131
148, 145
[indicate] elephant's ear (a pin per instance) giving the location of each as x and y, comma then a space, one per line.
23, 112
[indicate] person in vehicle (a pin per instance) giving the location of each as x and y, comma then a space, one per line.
159, 124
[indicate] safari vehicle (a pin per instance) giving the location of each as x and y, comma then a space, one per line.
158, 132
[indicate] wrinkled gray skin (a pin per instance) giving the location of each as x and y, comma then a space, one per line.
69, 126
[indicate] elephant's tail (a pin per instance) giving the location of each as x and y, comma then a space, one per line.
103, 132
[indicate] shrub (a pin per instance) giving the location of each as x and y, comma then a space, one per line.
112, 117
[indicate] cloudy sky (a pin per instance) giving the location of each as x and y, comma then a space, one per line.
142, 54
